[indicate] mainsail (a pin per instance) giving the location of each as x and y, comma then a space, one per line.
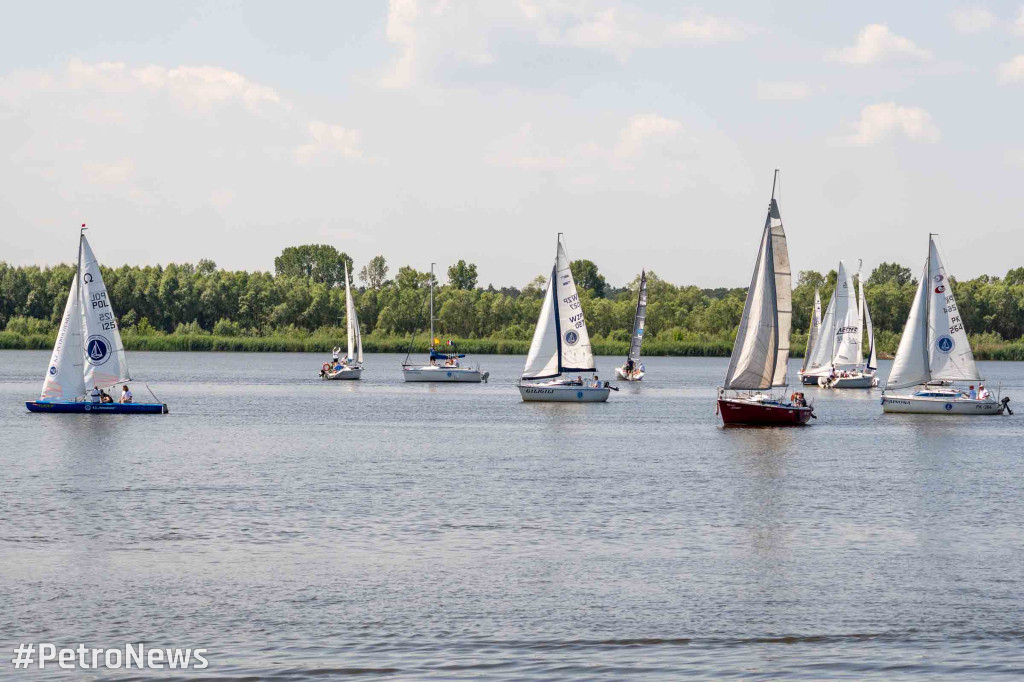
105, 363
638, 319
561, 342
813, 330
755, 351
846, 351
352, 323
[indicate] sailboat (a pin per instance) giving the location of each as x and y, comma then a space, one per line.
88, 355
813, 332
352, 367
561, 344
934, 353
836, 359
633, 370
760, 354
443, 367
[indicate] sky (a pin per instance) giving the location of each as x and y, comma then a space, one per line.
439, 130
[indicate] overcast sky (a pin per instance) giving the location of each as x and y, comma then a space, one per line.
431, 130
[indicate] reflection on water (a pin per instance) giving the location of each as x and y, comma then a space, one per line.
303, 528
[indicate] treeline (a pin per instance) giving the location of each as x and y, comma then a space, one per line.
304, 300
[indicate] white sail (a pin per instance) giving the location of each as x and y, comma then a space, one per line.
872, 354
821, 356
846, 351
638, 319
813, 330
574, 339
783, 294
910, 367
105, 363
950, 355
355, 339
755, 350
63, 379
542, 360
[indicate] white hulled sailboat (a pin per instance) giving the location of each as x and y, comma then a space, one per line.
442, 367
561, 345
633, 370
88, 356
760, 354
934, 350
352, 366
836, 359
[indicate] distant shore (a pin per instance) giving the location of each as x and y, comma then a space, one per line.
984, 348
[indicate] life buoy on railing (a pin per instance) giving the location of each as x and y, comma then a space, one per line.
326, 367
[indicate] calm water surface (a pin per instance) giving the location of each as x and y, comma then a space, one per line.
304, 529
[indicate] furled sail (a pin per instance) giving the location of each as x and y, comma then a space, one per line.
783, 294
64, 378
561, 342
352, 323
105, 363
846, 341
813, 330
950, 355
638, 319
755, 351
910, 367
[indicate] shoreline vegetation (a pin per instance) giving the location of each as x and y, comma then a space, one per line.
301, 307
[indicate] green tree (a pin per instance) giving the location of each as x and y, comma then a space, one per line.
374, 273
321, 263
462, 275
890, 272
587, 276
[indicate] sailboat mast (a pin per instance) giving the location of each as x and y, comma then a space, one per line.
774, 179
432, 305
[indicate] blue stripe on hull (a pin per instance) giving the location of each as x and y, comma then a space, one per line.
95, 408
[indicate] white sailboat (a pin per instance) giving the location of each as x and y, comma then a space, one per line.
760, 354
561, 345
813, 331
442, 367
837, 360
934, 350
352, 367
634, 370
88, 356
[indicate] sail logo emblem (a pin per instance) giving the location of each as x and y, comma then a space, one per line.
571, 337
97, 351
949, 406
87, 278
944, 344
939, 278
53, 371
940, 289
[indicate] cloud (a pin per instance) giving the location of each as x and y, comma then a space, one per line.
879, 122
1012, 71
1018, 25
972, 19
875, 44
329, 139
117, 172
428, 32
642, 129
782, 91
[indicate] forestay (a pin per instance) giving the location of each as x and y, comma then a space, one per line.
950, 355
105, 363
638, 319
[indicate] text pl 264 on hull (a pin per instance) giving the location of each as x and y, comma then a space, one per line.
88, 356
760, 353
935, 353
561, 344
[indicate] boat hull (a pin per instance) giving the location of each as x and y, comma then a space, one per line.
346, 374
908, 404
44, 406
738, 412
443, 375
563, 394
622, 375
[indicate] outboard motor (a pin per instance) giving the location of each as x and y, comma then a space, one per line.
1006, 405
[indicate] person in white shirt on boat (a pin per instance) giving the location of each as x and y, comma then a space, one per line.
335, 353
597, 382
983, 393
126, 395
96, 395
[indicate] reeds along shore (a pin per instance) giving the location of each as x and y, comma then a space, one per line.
986, 346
